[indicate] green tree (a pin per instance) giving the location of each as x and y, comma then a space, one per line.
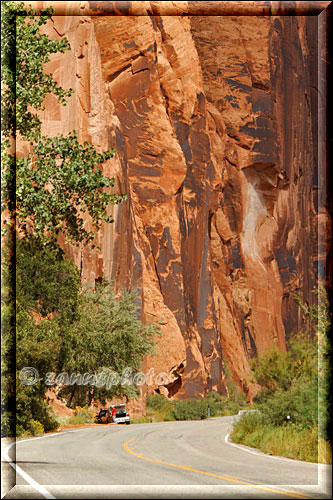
37, 346
24, 53
62, 326
47, 300
47, 282
107, 337
61, 179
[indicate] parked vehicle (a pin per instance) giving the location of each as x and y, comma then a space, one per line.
103, 417
122, 416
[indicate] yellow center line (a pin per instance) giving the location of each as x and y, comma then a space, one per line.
230, 479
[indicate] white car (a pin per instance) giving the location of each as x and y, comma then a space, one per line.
241, 412
122, 416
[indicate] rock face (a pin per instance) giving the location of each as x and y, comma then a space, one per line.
214, 119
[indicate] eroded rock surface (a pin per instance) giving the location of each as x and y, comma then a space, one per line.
214, 121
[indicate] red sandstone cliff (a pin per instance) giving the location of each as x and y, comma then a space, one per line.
214, 118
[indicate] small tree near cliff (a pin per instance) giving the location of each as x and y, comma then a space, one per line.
107, 339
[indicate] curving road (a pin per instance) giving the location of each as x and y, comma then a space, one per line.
169, 459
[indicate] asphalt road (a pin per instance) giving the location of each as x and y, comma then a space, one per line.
163, 460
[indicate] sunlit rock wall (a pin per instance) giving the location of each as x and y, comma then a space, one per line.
214, 119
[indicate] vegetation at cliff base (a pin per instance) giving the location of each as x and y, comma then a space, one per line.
66, 328
106, 337
159, 408
295, 402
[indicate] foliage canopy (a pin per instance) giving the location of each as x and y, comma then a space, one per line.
59, 180
64, 327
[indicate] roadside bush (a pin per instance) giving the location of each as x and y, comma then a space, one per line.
159, 408
77, 420
169, 417
295, 384
247, 424
85, 412
215, 397
63, 420
36, 427
217, 407
162, 409
31, 406
300, 402
232, 408
190, 409
33, 428
6, 420
324, 451
50, 423
217, 404
158, 402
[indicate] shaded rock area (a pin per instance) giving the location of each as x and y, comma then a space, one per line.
214, 119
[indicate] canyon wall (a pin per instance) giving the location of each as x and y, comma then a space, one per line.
214, 118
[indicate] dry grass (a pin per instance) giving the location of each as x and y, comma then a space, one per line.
324, 452
286, 440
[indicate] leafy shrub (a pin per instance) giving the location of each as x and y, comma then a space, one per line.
30, 406
158, 402
324, 452
233, 408
236, 398
217, 404
85, 413
50, 422
190, 409
215, 397
6, 424
33, 428
214, 404
78, 420
159, 408
169, 417
247, 424
63, 420
295, 383
36, 427
300, 402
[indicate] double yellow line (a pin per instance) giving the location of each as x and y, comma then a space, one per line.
130, 443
